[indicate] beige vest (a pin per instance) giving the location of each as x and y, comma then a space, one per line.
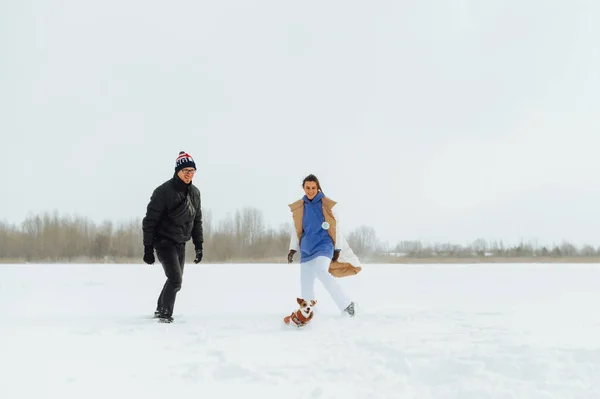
297, 209
337, 269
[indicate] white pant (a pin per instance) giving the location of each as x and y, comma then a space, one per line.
319, 267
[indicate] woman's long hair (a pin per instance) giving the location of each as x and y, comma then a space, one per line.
312, 178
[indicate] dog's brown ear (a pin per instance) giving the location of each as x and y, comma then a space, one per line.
299, 300
313, 302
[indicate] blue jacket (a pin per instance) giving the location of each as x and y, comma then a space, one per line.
315, 239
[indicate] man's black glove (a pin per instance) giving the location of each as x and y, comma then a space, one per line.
291, 256
149, 254
336, 255
198, 256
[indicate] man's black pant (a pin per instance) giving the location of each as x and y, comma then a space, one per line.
172, 258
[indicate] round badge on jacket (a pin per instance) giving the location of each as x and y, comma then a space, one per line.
325, 225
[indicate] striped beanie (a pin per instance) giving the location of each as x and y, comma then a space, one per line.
184, 160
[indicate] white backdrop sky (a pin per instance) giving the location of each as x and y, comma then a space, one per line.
439, 120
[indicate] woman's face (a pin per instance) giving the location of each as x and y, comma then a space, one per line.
310, 189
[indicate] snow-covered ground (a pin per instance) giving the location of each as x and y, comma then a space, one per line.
422, 331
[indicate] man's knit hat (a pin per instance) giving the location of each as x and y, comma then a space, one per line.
184, 160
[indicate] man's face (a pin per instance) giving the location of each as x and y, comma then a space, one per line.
186, 175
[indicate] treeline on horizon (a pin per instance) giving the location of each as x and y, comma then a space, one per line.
243, 236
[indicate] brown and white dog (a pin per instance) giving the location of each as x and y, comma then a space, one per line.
303, 315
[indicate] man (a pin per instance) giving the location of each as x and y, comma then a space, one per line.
173, 216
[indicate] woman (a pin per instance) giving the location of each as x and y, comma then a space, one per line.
318, 238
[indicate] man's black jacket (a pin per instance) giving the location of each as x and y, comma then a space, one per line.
174, 213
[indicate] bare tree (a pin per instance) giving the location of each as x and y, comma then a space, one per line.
568, 249
243, 236
480, 246
410, 248
588, 250
363, 240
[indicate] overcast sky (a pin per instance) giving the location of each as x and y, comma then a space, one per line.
443, 120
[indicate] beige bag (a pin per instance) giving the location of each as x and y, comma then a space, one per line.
347, 264
345, 269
